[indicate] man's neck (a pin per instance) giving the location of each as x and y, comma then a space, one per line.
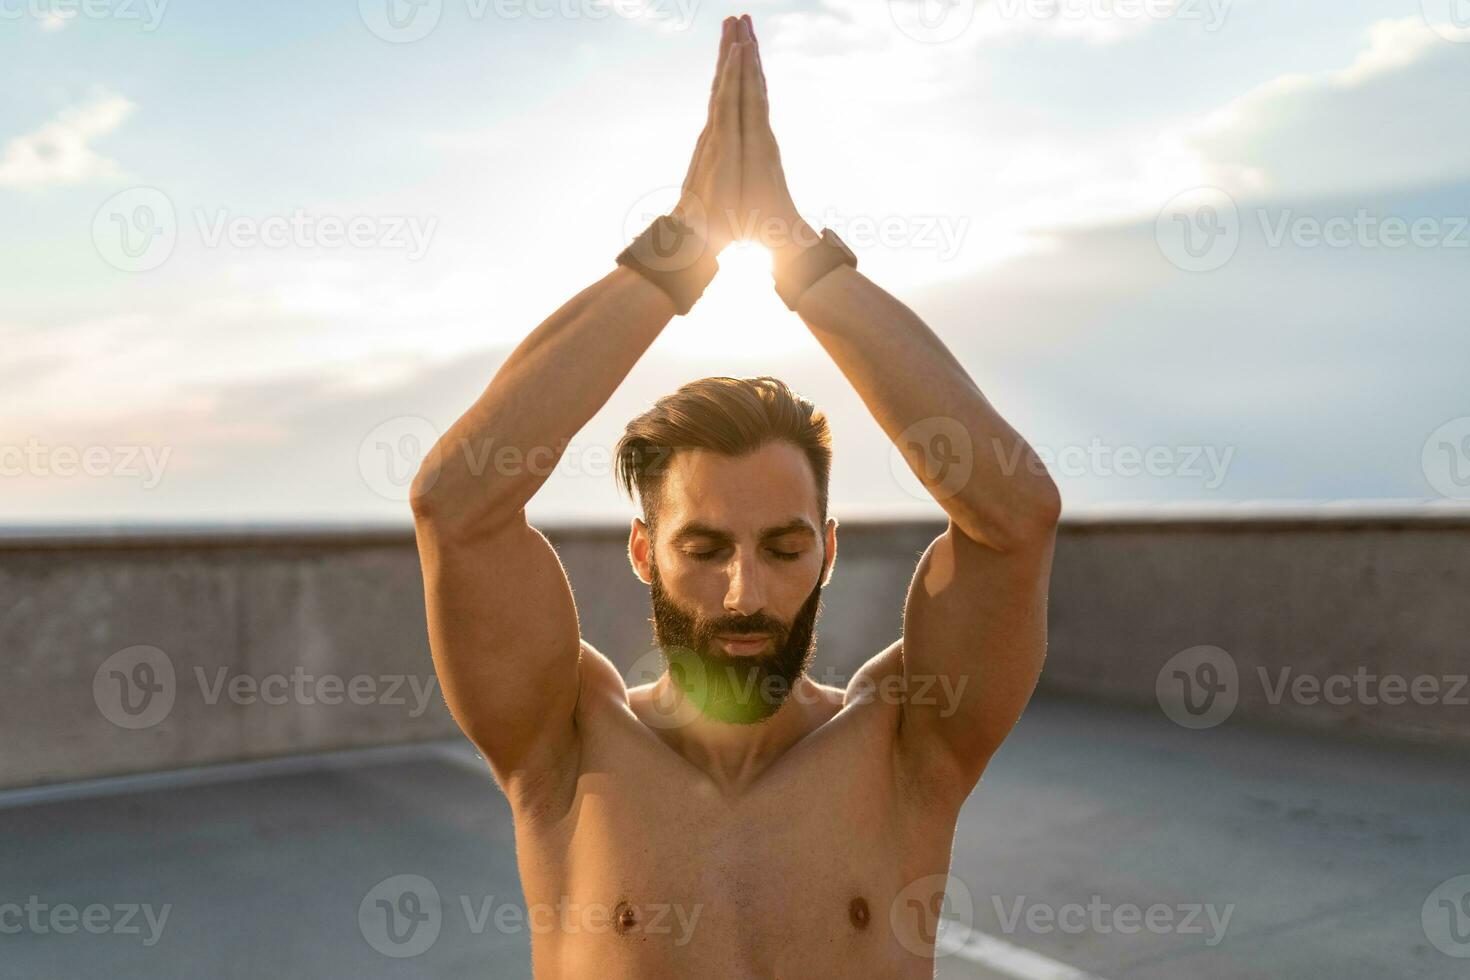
733, 755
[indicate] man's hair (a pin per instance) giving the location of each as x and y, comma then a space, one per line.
730, 416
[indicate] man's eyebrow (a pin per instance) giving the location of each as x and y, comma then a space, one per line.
697, 529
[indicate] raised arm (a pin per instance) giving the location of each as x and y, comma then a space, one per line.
974, 629
503, 627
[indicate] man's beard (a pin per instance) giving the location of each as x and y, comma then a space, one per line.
727, 688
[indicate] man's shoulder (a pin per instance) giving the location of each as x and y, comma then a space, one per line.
600, 683
882, 671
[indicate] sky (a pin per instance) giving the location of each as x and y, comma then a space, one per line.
1200, 253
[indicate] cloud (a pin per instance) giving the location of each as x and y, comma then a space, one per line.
1385, 120
1376, 124
58, 152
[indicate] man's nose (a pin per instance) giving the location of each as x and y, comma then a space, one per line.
746, 594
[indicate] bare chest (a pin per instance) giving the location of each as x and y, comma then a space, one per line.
656, 871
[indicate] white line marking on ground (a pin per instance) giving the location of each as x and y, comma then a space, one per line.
1000, 956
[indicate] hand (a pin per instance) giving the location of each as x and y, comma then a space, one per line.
710, 198
767, 213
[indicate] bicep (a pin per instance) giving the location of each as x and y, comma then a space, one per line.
506, 642
974, 640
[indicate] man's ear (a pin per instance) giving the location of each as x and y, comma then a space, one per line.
830, 537
640, 544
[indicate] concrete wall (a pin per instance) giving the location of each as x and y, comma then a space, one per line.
317, 636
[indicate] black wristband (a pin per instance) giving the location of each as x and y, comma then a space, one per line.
795, 276
675, 258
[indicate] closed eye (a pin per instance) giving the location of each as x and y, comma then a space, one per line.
709, 555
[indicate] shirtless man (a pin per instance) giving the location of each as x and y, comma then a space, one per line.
694, 829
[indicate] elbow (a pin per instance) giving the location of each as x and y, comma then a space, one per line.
1045, 509
422, 499
1027, 523
1036, 507
457, 514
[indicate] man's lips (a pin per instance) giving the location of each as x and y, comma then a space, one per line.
744, 642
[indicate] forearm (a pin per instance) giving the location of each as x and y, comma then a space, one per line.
491, 462
905, 374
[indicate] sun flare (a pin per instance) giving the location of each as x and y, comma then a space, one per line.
740, 313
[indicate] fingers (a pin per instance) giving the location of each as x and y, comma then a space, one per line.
727, 97
729, 34
753, 118
750, 35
